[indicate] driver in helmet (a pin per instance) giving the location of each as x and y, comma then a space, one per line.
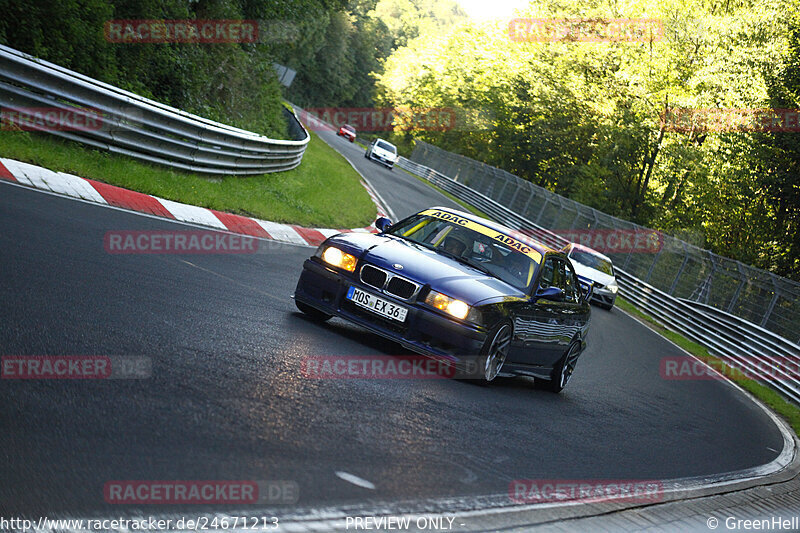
519, 266
454, 244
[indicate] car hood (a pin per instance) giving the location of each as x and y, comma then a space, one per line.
590, 273
425, 266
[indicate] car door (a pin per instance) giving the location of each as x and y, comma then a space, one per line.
536, 324
577, 313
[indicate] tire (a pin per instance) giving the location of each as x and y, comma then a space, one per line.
563, 370
312, 312
495, 350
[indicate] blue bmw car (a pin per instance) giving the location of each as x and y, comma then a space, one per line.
456, 287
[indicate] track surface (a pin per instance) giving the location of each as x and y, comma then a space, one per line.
226, 399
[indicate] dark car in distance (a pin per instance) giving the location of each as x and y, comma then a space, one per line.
456, 287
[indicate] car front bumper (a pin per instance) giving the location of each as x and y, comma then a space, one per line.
604, 297
424, 331
381, 159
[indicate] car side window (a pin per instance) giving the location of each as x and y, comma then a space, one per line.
572, 293
559, 276
546, 278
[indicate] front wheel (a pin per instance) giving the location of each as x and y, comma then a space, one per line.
563, 370
312, 312
495, 350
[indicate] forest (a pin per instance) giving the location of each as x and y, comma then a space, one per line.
588, 119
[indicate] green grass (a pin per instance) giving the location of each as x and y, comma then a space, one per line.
324, 191
773, 399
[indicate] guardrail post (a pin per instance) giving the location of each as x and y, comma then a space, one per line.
513, 197
738, 288
575, 220
527, 202
680, 270
652, 267
541, 211
772, 302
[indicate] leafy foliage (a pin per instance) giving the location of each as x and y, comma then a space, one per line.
584, 119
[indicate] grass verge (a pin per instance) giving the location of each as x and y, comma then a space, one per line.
785, 409
324, 191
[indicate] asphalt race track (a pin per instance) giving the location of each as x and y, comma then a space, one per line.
227, 401
404, 194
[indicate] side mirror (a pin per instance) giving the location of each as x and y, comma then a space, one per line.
554, 294
587, 295
383, 224
587, 288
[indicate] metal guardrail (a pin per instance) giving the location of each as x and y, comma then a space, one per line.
741, 344
138, 127
679, 268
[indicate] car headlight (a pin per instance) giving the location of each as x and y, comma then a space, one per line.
454, 307
336, 257
613, 287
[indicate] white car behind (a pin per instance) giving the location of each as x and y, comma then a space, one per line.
383, 152
598, 268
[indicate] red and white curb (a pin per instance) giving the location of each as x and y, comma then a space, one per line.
102, 193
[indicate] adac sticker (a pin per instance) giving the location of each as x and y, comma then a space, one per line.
509, 241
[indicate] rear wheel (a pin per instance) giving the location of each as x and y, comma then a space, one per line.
563, 371
312, 312
495, 350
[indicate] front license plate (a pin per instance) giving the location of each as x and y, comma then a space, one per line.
377, 305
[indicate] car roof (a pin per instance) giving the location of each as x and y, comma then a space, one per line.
582, 248
516, 234
349, 126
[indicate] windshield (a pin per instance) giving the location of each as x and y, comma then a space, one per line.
470, 247
386, 146
349, 128
592, 261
